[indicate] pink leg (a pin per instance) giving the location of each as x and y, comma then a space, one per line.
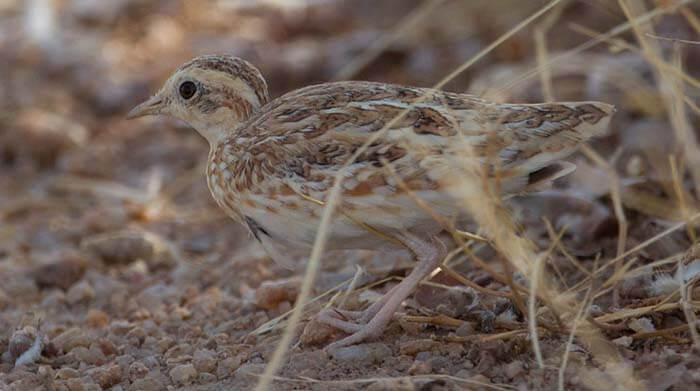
428, 253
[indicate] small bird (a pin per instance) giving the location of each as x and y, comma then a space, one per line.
272, 162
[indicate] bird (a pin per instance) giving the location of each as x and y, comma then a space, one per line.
272, 162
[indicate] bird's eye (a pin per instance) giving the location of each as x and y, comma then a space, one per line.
187, 89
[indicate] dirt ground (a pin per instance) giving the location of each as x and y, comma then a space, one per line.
119, 272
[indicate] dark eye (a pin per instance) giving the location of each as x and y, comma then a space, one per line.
187, 89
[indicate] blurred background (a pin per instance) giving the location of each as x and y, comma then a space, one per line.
107, 225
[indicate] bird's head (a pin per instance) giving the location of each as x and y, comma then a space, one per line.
214, 94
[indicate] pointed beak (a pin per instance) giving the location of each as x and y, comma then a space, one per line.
153, 106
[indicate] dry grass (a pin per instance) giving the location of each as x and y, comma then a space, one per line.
523, 255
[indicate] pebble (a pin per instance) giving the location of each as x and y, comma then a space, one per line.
514, 369
184, 374
120, 327
227, 366
70, 339
93, 356
97, 318
250, 369
420, 368
147, 384
205, 378
61, 274
271, 293
625, 341
137, 370
465, 329
392, 385
369, 352
204, 360
81, 292
66, 373
106, 376
413, 347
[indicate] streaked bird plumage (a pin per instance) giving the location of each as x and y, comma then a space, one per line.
272, 162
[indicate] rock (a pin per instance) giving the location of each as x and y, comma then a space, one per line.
413, 347
81, 292
120, 327
465, 329
625, 341
204, 360
317, 333
67, 373
271, 293
514, 369
420, 368
122, 248
106, 376
227, 366
183, 375
205, 378
392, 385
61, 274
250, 370
70, 339
147, 384
93, 355
369, 353
97, 318
137, 371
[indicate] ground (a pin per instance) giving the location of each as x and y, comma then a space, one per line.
118, 271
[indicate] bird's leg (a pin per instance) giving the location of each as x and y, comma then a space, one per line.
332, 316
428, 253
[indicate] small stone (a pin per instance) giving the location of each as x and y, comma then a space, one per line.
67, 373
250, 370
136, 336
420, 368
97, 318
392, 385
227, 366
625, 341
204, 360
93, 356
70, 339
137, 371
317, 333
369, 352
122, 248
465, 329
120, 327
205, 378
81, 292
75, 385
641, 325
106, 376
513, 369
147, 384
61, 274
271, 293
413, 347
184, 374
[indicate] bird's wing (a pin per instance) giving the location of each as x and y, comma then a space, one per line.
317, 129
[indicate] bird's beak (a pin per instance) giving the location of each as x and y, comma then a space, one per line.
153, 106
